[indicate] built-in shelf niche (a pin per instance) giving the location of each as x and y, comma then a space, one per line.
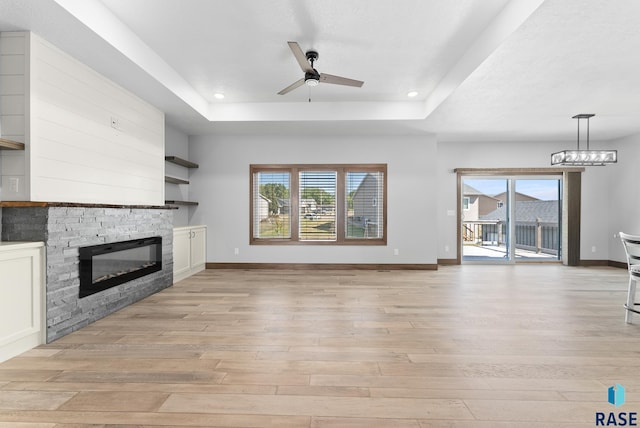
174, 180
10, 145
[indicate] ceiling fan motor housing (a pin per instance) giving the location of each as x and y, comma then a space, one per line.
312, 78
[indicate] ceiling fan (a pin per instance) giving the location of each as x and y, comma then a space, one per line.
311, 75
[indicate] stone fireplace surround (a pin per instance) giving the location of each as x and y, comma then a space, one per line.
64, 228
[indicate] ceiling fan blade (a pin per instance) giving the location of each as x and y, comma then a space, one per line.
291, 87
337, 80
300, 56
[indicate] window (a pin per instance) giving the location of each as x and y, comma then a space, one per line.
318, 204
363, 212
271, 202
465, 203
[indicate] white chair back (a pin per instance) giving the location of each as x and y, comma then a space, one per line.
631, 245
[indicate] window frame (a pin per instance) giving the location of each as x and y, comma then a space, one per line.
294, 191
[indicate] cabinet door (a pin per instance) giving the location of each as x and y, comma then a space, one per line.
21, 285
198, 246
181, 251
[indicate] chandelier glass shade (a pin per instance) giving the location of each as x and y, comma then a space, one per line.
584, 157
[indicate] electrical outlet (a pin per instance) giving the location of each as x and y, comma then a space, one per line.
593, 249
446, 248
396, 252
236, 251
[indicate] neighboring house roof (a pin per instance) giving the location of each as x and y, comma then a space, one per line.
471, 191
367, 181
519, 197
283, 202
528, 211
264, 197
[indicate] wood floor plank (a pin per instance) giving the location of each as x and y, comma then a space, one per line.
143, 387
300, 367
332, 356
522, 412
116, 401
329, 391
466, 394
498, 424
417, 382
321, 422
460, 347
113, 364
388, 408
27, 375
29, 425
86, 419
126, 376
33, 400
287, 379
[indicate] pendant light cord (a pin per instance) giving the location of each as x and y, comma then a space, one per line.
587, 133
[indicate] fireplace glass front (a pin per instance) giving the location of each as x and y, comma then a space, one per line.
107, 265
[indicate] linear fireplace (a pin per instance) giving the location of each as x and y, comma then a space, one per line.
107, 265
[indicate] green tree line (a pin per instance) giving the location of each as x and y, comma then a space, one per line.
275, 191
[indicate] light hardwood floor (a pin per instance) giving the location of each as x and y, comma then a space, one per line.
464, 346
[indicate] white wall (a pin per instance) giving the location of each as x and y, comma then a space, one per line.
177, 144
221, 186
594, 214
622, 195
76, 153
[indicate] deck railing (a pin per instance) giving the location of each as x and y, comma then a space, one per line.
541, 237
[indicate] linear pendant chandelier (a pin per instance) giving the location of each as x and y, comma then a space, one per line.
584, 157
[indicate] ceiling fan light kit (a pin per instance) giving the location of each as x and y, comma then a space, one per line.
584, 157
311, 75
311, 79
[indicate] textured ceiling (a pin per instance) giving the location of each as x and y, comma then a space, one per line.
484, 69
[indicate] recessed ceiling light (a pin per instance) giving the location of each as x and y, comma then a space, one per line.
412, 94
218, 96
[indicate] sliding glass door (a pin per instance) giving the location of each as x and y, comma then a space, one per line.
537, 217
485, 219
509, 219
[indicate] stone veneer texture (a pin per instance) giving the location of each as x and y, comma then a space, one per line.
64, 230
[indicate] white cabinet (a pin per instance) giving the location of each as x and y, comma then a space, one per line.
189, 251
21, 297
198, 248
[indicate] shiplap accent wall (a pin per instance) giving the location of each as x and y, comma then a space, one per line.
14, 115
91, 141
